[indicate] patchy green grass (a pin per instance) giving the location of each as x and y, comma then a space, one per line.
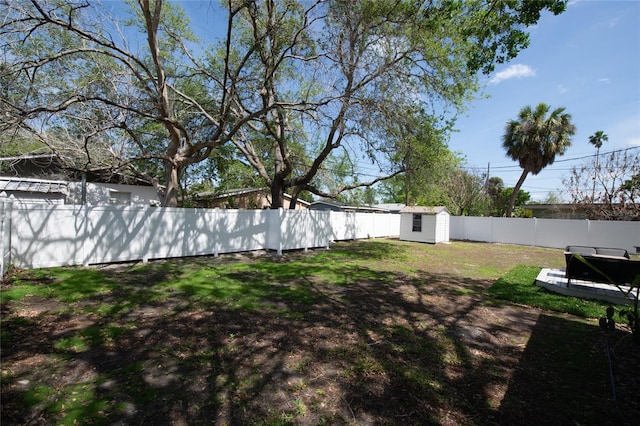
518, 286
71, 284
366, 332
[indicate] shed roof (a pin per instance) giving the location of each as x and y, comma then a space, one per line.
391, 207
424, 209
335, 206
242, 191
33, 185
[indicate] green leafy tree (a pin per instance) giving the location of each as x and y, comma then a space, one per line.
632, 184
365, 196
290, 97
155, 110
356, 79
420, 150
494, 188
534, 139
503, 201
597, 139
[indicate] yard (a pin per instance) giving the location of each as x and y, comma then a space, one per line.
368, 332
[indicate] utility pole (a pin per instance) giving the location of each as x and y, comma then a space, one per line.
486, 180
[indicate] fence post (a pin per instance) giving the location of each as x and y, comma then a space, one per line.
5, 235
328, 226
216, 232
87, 231
146, 214
280, 230
491, 229
307, 228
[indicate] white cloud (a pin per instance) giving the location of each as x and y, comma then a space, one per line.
562, 89
604, 80
513, 71
609, 23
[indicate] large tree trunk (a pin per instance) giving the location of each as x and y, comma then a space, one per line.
516, 189
277, 194
407, 189
295, 193
173, 185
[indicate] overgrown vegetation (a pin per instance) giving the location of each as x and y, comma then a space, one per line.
376, 331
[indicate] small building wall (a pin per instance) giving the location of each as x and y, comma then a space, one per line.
249, 199
442, 227
434, 226
34, 191
37, 198
41, 191
113, 194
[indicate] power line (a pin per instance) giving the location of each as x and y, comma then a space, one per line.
565, 160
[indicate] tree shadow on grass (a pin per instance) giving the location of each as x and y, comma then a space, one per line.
314, 342
359, 351
562, 377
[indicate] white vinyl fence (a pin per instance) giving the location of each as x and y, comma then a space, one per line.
554, 233
36, 236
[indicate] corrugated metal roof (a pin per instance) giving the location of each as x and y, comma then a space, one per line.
424, 210
33, 186
231, 192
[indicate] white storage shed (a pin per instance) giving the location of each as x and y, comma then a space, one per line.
424, 224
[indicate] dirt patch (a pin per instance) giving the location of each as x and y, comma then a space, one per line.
420, 348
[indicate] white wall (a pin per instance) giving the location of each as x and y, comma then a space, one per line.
5, 235
352, 225
295, 229
442, 227
555, 233
101, 194
435, 228
35, 236
38, 197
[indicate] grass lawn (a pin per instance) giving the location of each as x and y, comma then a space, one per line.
368, 332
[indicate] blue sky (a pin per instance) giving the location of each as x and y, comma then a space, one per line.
586, 60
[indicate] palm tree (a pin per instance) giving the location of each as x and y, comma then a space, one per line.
596, 140
534, 140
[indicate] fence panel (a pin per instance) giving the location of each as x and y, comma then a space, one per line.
5, 235
178, 232
554, 233
471, 228
34, 236
116, 234
48, 235
343, 226
304, 229
614, 234
559, 233
242, 230
514, 231
385, 225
